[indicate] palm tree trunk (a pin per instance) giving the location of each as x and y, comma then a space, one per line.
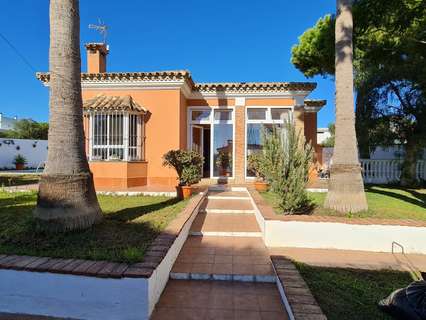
346, 188
67, 198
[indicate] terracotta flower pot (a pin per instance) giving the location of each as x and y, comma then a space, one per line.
19, 166
184, 192
261, 186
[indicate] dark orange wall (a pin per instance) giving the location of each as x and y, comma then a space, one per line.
118, 174
96, 62
162, 128
166, 129
183, 112
86, 134
311, 127
211, 102
270, 102
311, 134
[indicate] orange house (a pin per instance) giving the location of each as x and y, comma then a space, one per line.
132, 118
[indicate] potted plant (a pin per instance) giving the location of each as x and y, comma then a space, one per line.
188, 166
254, 164
223, 162
19, 161
114, 157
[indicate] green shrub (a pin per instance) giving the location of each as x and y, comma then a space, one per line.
286, 159
223, 160
254, 164
188, 165
19, 159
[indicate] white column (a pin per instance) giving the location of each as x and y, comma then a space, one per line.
126, 136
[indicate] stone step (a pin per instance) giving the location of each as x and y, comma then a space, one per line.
219, 300
226, 206
221, 197
225, 234
225, 223
221, 187
228, 211
224, 258
261, 278
228, 195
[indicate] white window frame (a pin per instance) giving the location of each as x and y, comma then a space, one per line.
211, 121
268, 120
127, 115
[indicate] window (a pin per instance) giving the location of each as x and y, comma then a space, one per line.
279, 114
260, 120
200, 115
115, 135
256, 113
223, 115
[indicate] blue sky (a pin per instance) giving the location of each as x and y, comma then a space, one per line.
218, 41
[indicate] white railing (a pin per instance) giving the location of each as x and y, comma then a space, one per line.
388, 171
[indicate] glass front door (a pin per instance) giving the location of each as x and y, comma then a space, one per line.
197, 139
214, 129
223, 143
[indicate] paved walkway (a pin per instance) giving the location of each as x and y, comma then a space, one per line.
219, 300
224, 258
354, 259
223, 270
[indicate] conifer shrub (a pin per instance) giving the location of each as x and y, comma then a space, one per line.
286, 159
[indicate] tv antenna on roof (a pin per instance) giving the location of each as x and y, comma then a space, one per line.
101, 27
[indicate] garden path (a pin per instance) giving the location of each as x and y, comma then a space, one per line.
223, 270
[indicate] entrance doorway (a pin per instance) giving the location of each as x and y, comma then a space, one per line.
211, 133
200, 137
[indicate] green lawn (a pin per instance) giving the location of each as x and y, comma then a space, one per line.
351, 294
383, 202
130, 225
10, 180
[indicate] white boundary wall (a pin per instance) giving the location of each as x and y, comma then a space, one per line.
35, 151
388, 171
329, 235
160, 276
344, 236
71, 296
83, 297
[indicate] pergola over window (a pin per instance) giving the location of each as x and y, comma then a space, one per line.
115, 128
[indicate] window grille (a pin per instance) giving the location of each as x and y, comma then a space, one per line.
115, 135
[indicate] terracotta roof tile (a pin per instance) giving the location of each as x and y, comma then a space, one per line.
315, 103
104, 102
97, 46
173, 75
255, 86
177, 75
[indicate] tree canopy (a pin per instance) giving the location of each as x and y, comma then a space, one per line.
329, 141
389, 35
390, 68
27, 129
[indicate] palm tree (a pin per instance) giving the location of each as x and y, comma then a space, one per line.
66, 198
346, 188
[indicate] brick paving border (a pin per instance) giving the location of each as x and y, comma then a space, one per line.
296, 292
104, 269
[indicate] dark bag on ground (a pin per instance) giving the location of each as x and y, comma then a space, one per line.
407, 303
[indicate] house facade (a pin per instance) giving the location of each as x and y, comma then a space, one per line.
132, 118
